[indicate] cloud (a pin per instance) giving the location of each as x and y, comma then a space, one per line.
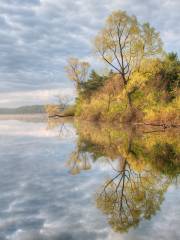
15, 99
37, 36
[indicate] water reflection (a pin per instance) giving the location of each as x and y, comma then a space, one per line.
143, 165
82, 181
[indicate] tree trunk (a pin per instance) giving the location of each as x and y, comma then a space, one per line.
109, 103
130, 100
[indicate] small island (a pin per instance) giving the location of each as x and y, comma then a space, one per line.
141, 86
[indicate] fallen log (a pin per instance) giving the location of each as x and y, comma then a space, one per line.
59, 116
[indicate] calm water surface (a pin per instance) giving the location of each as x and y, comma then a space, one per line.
80, 181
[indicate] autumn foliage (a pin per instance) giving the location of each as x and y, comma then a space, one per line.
143, 81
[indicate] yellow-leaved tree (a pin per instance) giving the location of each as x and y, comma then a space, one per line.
124, 43
77, 71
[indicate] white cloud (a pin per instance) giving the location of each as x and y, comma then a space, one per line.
15, 99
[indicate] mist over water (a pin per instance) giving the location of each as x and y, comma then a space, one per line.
53, 176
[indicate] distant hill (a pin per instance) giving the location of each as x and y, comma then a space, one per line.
23, 110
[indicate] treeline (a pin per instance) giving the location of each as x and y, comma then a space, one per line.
23, 110
143, 82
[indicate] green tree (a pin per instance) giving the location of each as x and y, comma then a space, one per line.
169, 75
94, 82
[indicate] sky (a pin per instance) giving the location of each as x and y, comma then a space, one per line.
38, 36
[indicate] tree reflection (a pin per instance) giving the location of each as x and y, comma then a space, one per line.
63, 126
165, 158
142, 166
79, 161
130, 196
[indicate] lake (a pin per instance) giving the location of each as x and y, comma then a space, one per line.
79, 181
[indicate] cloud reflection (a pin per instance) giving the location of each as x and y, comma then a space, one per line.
39, 200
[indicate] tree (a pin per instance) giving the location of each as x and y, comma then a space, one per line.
94, 82
169, 75
111, 89
77, 71
64, 101
123, 43
52, 110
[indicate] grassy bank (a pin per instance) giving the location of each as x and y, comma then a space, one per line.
55, 111
154, 96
